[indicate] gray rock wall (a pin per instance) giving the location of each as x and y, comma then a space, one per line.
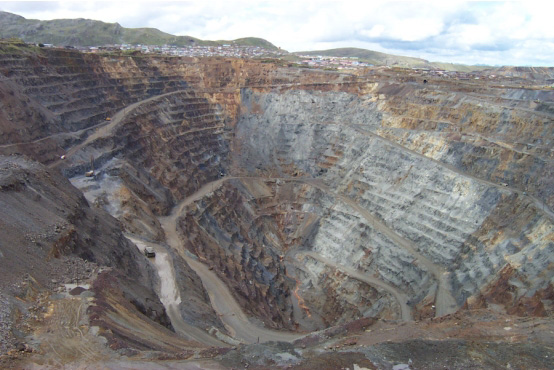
436, 208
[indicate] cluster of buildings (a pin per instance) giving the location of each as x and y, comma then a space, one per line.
475, 75
230, 50
450, 74
332, 62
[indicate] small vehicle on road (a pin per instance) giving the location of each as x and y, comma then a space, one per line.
149, 252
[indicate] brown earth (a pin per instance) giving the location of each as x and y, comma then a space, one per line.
178, 124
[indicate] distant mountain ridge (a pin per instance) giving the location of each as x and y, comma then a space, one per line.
87, 32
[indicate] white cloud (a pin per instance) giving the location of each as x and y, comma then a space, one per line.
468, 35
375, 32
474, 32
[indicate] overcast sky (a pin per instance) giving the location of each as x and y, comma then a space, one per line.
495, 33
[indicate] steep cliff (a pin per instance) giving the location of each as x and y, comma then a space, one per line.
435, 207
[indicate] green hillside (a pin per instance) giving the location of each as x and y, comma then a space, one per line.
86, 32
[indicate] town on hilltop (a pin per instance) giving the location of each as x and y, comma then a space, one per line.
506, 76
226, 50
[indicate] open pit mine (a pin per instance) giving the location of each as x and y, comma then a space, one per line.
166, 212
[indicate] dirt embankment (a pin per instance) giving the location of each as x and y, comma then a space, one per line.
51, 236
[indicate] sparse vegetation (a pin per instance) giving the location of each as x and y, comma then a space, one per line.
15, 45
379, 59
86, 32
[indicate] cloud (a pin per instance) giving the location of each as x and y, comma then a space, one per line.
457, 31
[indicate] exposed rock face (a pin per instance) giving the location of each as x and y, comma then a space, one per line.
44, 214
236, 242
46, 223
512, 227
502, 135
440, 192
436, 207
166, 150
250, 232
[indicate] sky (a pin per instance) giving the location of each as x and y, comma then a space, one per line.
492, 33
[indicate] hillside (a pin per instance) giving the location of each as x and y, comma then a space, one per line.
370, 56
87, 32
379, 59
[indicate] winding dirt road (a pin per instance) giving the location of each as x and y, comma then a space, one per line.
444, 301
116, 120
170, 296
231, 313
222, 300
106, 130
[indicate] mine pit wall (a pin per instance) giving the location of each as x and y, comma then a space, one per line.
195, 308
49, 230
331, 229
250, 231
505, 137
469, 130
164, 151
335, 231
36, 201
302, 133
291, 122
508, 260
333, 298
67, 94
349, 240
180, 142
223, 230
81, 89
60, 91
